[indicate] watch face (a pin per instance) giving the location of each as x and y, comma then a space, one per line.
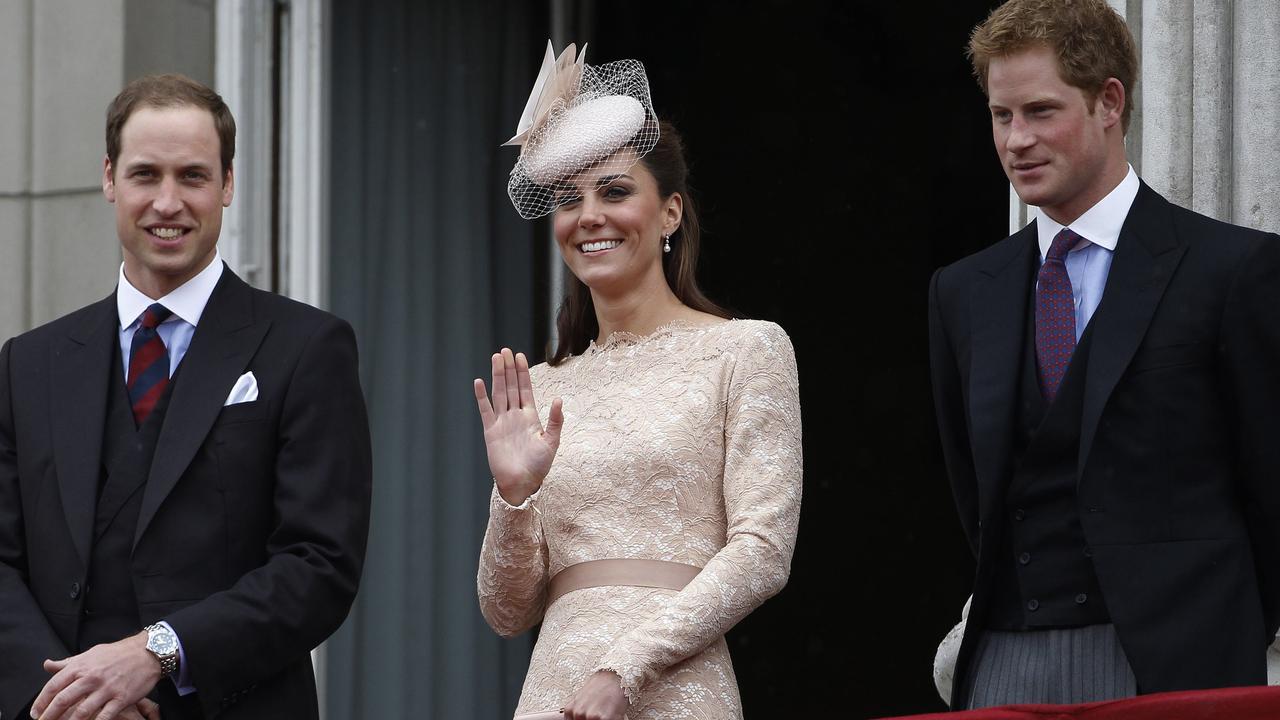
162, 642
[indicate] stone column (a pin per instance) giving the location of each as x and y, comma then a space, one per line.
60, 64
15, 170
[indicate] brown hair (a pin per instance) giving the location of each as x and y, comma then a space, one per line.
169, 91
576, 323
1091, 41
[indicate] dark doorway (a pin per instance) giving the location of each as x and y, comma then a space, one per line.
841, 152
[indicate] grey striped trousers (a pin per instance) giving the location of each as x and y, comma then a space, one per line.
1065, 666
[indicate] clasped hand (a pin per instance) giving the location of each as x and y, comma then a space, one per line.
520, 449
104, 682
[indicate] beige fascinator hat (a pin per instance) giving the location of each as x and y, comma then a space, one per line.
576, 120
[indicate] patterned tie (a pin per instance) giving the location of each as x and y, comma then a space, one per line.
148, 363
1055, 315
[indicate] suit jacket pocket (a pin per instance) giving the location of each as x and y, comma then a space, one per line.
1171, 356
242, 412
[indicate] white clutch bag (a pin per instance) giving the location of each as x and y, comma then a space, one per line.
557, 715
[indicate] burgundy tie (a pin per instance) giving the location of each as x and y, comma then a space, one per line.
1055, 315
148, 363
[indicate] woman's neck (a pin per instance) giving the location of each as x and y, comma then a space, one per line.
638, 311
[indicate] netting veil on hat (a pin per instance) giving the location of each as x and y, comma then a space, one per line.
577, 119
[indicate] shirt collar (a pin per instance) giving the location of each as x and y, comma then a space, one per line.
187, 301
1099, 224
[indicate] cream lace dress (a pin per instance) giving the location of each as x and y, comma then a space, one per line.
684, 446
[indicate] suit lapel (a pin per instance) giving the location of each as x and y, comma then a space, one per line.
223, 344
1145, 258
998, 320
81, 370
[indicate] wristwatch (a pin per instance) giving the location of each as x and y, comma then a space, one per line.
162, 643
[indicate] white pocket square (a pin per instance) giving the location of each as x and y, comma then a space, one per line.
245, 390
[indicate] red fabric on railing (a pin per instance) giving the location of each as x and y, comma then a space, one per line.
1248, 703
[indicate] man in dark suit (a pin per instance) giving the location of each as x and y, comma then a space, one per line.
1107, 386
184, 466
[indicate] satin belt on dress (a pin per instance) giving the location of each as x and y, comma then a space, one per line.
632, 572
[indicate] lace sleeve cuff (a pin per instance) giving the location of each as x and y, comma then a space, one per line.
500, 504
632, 679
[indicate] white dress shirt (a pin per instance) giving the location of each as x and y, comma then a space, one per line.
186, 302
1089, 262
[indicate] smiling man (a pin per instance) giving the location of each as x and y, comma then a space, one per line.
1107, 384
184, 465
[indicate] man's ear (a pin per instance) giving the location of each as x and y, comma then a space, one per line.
108, 180
1110, 102
228, 186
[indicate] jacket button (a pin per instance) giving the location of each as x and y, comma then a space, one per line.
1082, 598
1088, 551
1024, 558
75, 590
1033, 605
1019, 514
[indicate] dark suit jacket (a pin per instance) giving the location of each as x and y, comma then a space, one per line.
252, 529
1178, 477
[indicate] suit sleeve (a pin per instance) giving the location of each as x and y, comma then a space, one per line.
950, 408
277, 613
1251, 351
26, 639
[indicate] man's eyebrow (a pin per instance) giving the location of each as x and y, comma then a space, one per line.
147, 164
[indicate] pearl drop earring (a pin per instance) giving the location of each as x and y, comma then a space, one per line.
666, 243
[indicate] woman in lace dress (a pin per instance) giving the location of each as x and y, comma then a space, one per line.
658, 431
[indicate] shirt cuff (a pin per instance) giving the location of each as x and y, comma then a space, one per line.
182, 678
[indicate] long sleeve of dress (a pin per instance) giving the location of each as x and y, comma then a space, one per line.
762, 488
512, 579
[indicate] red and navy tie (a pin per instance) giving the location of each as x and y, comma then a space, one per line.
1055, 315
148, 363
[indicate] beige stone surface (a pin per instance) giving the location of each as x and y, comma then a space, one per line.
169, 36
1167, 92
1256, 146
75, 256
15, 89
78, 67
14, 261
1212, 109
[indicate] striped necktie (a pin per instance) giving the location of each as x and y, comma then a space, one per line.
1055, 315
148, 363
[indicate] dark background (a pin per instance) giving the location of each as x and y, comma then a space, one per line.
840, 152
